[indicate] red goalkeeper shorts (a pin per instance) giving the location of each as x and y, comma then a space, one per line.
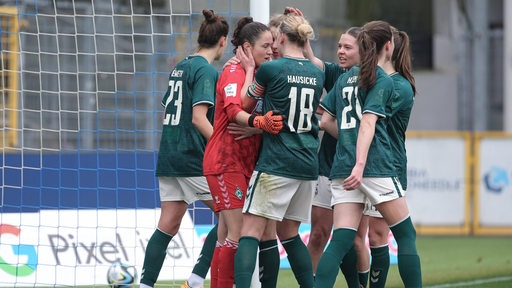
228, 190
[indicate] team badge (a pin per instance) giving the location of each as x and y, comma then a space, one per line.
238, 193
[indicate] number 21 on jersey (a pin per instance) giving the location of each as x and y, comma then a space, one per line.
348, 119
176, 94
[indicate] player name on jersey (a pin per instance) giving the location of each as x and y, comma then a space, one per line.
301, 79
176, 73
352, 80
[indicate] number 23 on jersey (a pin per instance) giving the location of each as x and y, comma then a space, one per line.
176, 97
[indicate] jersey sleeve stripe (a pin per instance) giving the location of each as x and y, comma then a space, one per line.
375, 113
203, 102
327, 110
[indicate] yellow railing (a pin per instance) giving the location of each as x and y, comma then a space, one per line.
487, 182
9, 77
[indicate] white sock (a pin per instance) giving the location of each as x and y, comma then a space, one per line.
195, 280
144, 286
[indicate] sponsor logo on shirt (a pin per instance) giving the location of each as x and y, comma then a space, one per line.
230, 90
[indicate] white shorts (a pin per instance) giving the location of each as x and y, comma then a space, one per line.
370, 210
377, 190
323, 194
188, 189
275, 197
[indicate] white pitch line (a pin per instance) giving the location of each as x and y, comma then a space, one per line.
473, 283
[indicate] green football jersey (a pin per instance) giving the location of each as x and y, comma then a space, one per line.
347, 102
294, 87
328, 144
332, 71
403, 101
191, 82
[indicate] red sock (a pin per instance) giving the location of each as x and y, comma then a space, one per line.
227, 263
214, 266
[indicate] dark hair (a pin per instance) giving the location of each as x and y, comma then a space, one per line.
402, 56
247, 31
212, 29
353, 31
372, 39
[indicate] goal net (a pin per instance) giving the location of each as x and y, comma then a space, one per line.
81, 84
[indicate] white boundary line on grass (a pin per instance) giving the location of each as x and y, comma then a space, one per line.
473, 283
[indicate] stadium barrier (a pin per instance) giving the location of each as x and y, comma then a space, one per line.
76, 213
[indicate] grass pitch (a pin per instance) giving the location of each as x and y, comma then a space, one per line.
451, 261
446, 262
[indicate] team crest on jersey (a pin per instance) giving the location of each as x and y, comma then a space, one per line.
238, 193
230, 90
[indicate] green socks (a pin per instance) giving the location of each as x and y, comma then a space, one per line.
380, 266
408, 260
245, 261
341, 242
363, 278
154, 257
205, 258
348, 267
269, 262
300, 261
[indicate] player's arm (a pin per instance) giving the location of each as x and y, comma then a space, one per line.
327, 107
329, 124
364, 140
247, 62
241, 132
272, 122
310, 55
200, 120
264, 75
308, 51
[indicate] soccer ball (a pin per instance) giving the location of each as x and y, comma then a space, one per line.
121, 275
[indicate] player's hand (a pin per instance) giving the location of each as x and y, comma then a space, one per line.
293, 10
232, 61
242, 132
244, 55
355, 179
272, 122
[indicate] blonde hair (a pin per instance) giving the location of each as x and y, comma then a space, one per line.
296, 28
276, 20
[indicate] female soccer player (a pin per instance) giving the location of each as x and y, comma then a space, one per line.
186, 128
400, 71
281, 186
228, 163
321, 212
360, 103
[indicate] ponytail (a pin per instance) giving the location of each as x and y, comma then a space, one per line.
371, 40
402, 57
368, 53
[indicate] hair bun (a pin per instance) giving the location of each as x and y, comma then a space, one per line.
209, 15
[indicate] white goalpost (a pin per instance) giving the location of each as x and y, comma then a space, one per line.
80, 125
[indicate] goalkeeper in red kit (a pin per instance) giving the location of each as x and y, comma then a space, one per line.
230, 158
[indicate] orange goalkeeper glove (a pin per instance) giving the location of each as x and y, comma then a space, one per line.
272, 122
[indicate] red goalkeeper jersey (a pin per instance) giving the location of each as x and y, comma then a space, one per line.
223, 153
